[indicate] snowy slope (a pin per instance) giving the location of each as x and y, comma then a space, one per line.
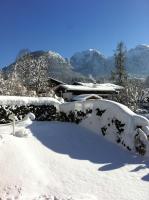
69, 162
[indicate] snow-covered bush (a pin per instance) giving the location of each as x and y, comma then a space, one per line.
113, 120
44, 108
108, 118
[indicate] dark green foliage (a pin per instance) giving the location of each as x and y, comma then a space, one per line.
119, 125
103, 130
139, 127
81, 114
41, 112
120, 75
4, 115
62, 116
99, 112
139, 145
123, 143
118, 140
141, 149
88, 111
73, 116
128, 148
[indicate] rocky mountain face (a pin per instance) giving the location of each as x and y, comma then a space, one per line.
89, 62
28, 66
93, 62
137, 60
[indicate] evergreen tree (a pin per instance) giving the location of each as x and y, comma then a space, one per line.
119, 75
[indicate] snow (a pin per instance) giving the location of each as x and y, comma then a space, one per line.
64, 161
84, 97
22, 100
87, 54
115, 121
88, 88
93, 87
113, 111
142, 46
56, 55
20, 126
109, 85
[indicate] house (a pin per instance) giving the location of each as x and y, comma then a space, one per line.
104, 90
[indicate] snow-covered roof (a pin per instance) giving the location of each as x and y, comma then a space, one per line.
20, 100
84, 97
109, 85
89, 87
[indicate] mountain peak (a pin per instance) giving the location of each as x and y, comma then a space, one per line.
90, 61
142, 46
55, 55
94, 50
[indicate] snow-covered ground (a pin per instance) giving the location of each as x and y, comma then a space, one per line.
68, 162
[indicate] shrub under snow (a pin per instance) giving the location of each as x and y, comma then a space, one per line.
44, 108
113, 120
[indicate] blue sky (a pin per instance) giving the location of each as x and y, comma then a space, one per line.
68, 26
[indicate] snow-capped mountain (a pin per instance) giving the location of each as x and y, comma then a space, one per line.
137, 61
89, 62
58, 67
93, 62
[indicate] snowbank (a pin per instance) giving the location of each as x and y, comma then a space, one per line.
113, 120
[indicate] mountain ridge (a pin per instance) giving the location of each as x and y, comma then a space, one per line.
84, 64
137, 61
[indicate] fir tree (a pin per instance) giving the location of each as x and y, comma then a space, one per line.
119, 75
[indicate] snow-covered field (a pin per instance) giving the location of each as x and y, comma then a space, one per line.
68, 162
